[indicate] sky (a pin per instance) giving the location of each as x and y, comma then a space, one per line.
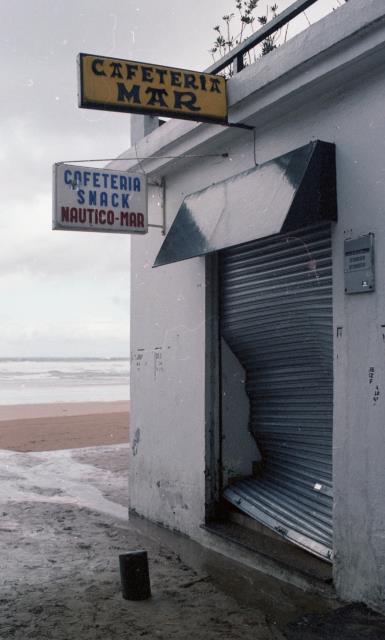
64, 293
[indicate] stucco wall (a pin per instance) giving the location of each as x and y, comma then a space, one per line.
336, 94
353, 119
168, 324
167, 347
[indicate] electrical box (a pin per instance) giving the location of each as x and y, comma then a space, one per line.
359, 264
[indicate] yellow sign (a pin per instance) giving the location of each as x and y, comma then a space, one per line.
111, 84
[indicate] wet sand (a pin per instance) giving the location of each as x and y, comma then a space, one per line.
63, 525
48, 427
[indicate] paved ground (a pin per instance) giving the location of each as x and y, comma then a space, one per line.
63, 524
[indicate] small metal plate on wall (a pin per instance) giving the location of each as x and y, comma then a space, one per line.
359, 264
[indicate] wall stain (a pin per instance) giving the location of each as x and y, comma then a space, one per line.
158, 361
135, 442
137, 358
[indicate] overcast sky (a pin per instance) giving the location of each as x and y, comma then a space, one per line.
67, 293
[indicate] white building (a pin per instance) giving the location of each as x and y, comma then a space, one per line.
257, 372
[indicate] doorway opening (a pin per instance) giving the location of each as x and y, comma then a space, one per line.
276, 333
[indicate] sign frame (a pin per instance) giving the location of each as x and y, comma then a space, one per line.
99, 200
205, 80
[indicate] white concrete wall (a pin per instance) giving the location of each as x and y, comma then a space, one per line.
328, 84
354, 120
168, 321
167, 346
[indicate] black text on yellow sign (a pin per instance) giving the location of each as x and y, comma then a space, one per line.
123, 85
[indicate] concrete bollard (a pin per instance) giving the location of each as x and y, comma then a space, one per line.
134, 575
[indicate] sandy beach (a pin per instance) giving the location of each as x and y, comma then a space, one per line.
64, 522
48, 427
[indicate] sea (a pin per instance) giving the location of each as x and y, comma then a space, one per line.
45, 380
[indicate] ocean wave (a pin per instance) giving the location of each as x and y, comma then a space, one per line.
97, 371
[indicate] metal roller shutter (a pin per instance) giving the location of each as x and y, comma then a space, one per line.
276, 316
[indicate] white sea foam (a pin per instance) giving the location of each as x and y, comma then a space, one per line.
40, 380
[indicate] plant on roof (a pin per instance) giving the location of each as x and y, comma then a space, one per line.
237, 26
245, 21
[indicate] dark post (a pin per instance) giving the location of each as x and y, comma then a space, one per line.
239, 63
134, 575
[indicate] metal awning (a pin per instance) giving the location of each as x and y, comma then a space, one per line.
292, 191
